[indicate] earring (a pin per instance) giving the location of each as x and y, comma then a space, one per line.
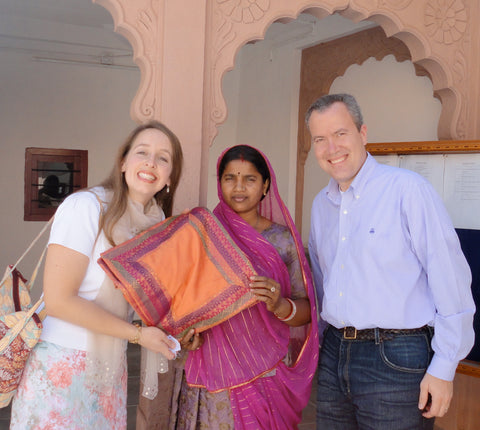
168, 189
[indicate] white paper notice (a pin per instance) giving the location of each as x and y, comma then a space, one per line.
430, 166
462, 189
391, 160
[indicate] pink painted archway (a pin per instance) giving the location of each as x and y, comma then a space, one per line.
184, 48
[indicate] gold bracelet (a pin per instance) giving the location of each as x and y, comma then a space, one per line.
136, 338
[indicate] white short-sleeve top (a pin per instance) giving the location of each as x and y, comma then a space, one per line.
76, 227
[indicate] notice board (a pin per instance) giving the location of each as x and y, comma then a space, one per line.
453, 168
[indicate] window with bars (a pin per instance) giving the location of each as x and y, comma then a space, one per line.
50, 176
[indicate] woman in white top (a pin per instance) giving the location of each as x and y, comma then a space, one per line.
76, 376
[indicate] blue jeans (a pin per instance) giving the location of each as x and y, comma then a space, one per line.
368, 384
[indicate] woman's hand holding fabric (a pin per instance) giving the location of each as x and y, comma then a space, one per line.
156, 340
268, 291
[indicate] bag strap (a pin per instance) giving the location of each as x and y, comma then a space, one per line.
16, 287
35, 271
43, 313
12, 268
14, 331
16, 278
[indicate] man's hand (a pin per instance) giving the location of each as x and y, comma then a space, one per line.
440, 391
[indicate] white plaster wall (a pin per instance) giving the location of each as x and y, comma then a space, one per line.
55, 106
259, 93
396, 104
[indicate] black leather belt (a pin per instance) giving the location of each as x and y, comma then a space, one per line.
351, 333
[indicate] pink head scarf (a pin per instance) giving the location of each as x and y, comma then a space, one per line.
239, 352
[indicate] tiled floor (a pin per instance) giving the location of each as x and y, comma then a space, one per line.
308, 422
308, 418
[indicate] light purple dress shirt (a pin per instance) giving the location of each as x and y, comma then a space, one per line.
385, 254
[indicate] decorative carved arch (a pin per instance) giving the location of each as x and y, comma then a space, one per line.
141, 26
231, 25
442, 37
229, 34
436, 43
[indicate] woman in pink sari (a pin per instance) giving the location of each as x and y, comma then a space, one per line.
255, 370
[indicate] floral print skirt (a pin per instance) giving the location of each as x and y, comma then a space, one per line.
53, 394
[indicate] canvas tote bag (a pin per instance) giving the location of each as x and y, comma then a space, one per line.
20, 325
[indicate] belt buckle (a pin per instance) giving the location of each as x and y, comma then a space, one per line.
349, 333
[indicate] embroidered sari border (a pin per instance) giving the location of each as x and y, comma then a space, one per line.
154, 301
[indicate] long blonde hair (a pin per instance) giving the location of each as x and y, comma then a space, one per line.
116, 180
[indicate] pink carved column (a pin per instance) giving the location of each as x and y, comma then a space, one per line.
168, 40
473, 72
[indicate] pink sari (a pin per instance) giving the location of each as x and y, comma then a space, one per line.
254, 343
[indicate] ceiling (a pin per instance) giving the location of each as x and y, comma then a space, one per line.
75, 31
78, 31
74, 12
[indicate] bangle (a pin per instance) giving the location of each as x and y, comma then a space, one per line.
292, 312
136, 338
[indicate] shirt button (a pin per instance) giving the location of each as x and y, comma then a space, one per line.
345, 212
341, 294
357, 196
344, 239
342, 266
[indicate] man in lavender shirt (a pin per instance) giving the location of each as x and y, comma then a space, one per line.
393, 284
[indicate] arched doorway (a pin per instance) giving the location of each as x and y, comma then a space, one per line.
210, 33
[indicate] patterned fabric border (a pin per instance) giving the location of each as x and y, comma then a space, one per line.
183, 272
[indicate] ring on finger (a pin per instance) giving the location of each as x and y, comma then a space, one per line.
273, 289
